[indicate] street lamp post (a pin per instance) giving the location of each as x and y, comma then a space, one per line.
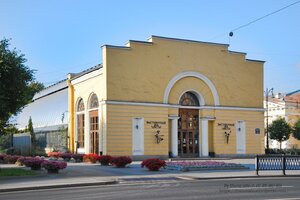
267, 93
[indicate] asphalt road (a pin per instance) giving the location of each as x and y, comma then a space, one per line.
254, 188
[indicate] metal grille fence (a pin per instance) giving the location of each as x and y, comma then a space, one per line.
277, 162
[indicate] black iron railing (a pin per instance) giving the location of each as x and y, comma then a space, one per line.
277, 162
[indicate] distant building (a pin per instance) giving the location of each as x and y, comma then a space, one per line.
286, 106
49, 113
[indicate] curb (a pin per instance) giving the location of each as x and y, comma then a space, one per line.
247, 177
59, 186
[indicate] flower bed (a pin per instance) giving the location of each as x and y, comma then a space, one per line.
104, 160
11, 159
153, 164
90, 158
78, 157
121, 161
33, 163
202, 165
66, 156
53, 166
55, 154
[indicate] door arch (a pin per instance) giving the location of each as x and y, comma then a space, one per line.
188, 126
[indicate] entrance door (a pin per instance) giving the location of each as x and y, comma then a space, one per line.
94, 132
188, 133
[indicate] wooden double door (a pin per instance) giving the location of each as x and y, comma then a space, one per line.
94, 132
188, 133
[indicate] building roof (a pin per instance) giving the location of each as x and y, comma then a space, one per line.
293, 96
50, 110
292, 93
60, 85
84, 72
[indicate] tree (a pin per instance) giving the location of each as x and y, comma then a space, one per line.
296, 131
30, 130
17, 83
280, 130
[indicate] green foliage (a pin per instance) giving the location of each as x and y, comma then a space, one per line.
17, 83
30, 130
280, 130
296, 131
33, 88
6, 139
16, 172
30, 126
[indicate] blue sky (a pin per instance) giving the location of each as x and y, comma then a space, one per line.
62, 36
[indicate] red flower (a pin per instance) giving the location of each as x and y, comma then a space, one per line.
153, 164
105, 159
121, 161
54, 154
92, 157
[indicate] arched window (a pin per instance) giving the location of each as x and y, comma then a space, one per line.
94, 101
80, 105
189, 99
94, 124
80, 124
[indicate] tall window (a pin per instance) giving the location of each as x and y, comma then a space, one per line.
94, 126
189, 99
80, 124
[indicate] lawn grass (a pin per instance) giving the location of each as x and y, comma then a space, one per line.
15, 172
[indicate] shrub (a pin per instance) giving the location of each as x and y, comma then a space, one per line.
78, 157
66, 156
105, 160
2, 156
33, 163
37, 151
92, 158
11, 159
153, 164
121, 161
53, 165
54, 154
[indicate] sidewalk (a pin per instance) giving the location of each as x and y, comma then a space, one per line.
82, 174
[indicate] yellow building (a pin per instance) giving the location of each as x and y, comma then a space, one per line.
168, 97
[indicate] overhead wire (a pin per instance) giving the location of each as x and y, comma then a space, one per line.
267, 15
255, 20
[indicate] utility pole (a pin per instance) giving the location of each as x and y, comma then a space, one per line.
267, 93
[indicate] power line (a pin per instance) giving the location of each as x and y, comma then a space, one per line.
267, 15
258, 19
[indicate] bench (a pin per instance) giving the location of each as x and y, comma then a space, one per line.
277, 162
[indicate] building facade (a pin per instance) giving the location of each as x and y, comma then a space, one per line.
168, 97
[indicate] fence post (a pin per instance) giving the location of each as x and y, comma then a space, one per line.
284, 165
257, 166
